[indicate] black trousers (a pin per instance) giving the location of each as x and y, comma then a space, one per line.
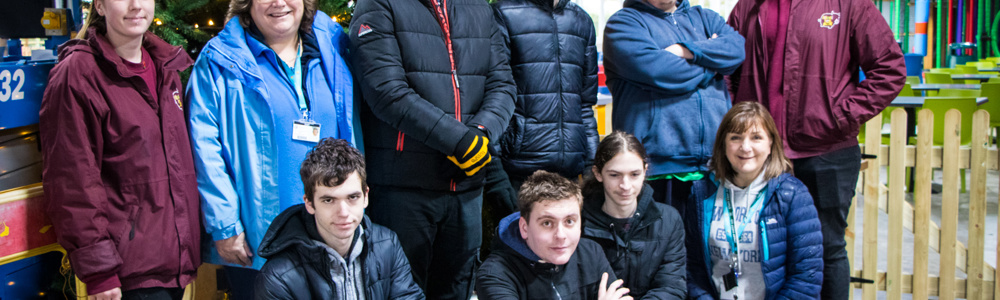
440, 233
153, 294
831, 179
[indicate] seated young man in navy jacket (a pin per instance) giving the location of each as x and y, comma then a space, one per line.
327, 248
540, 253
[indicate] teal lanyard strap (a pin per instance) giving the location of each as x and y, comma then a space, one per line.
732, 236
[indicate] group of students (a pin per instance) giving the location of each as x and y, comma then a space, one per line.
466, 105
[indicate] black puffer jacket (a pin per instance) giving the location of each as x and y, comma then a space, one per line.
407, 57
297, 268
651, 257
554, 62
513, 270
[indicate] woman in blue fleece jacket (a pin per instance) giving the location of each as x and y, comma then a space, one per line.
752, 231
665, 62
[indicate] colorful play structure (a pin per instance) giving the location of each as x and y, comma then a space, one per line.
946, 32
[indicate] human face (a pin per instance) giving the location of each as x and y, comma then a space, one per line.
747, 153
277, 19
622, 177
554, 229
339, 210
664, 5
126, 20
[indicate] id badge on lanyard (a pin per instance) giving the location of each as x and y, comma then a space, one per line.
730, 280
305, 129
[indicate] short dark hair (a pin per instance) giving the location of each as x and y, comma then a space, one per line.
544, 186
241, 9
330, 163
613, 144
740, 119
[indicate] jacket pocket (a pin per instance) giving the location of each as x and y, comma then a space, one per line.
510, 143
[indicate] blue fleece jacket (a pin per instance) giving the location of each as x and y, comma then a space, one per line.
673, 105
791, 240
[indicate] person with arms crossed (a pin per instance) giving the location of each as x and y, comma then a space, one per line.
664, 61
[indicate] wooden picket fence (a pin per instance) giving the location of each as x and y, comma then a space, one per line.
923, 157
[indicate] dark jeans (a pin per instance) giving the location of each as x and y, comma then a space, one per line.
671, 192
440, 233
831, 179
240, 282
153, 294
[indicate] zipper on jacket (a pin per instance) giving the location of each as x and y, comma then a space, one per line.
562, 112
763, 241
554, 289
446, 28
452, 185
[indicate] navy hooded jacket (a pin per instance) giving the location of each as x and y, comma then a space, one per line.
514, 272
671, 104
791, 240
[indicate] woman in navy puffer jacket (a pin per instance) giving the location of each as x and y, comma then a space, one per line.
752, 230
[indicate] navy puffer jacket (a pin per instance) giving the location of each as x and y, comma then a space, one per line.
554, 61
792, 241
428, 75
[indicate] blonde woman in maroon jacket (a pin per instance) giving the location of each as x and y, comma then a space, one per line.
118, 169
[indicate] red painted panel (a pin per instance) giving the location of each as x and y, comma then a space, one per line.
24, 226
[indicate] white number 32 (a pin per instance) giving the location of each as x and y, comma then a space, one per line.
6, 80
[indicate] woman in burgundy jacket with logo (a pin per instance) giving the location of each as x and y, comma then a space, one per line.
118, 170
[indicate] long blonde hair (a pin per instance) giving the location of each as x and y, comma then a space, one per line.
93, 19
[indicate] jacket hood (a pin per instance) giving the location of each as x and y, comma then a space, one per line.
642, 6
169, 57
294, 227
645, 211
510, 235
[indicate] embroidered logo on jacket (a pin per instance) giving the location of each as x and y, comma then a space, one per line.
364, 29
177, 99
828, 20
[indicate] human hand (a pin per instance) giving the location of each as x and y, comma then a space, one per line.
112, 294
472, 152
680, 50
613, 292
235, 250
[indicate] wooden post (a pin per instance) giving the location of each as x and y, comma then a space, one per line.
949, 203
922, 175
977, 206
873, 139
897, 190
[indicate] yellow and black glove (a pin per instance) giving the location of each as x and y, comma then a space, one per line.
472, 152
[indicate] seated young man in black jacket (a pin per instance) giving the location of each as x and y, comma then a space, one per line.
540, 253
327, 248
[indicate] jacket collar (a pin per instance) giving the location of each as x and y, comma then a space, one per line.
296, 227
645, 212
640, 5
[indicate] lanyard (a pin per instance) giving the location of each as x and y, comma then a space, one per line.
732, 236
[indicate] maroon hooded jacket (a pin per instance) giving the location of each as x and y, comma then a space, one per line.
826, 42
117, 167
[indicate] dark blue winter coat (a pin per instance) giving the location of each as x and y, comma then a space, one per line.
791, 240
671, 104
554, 62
